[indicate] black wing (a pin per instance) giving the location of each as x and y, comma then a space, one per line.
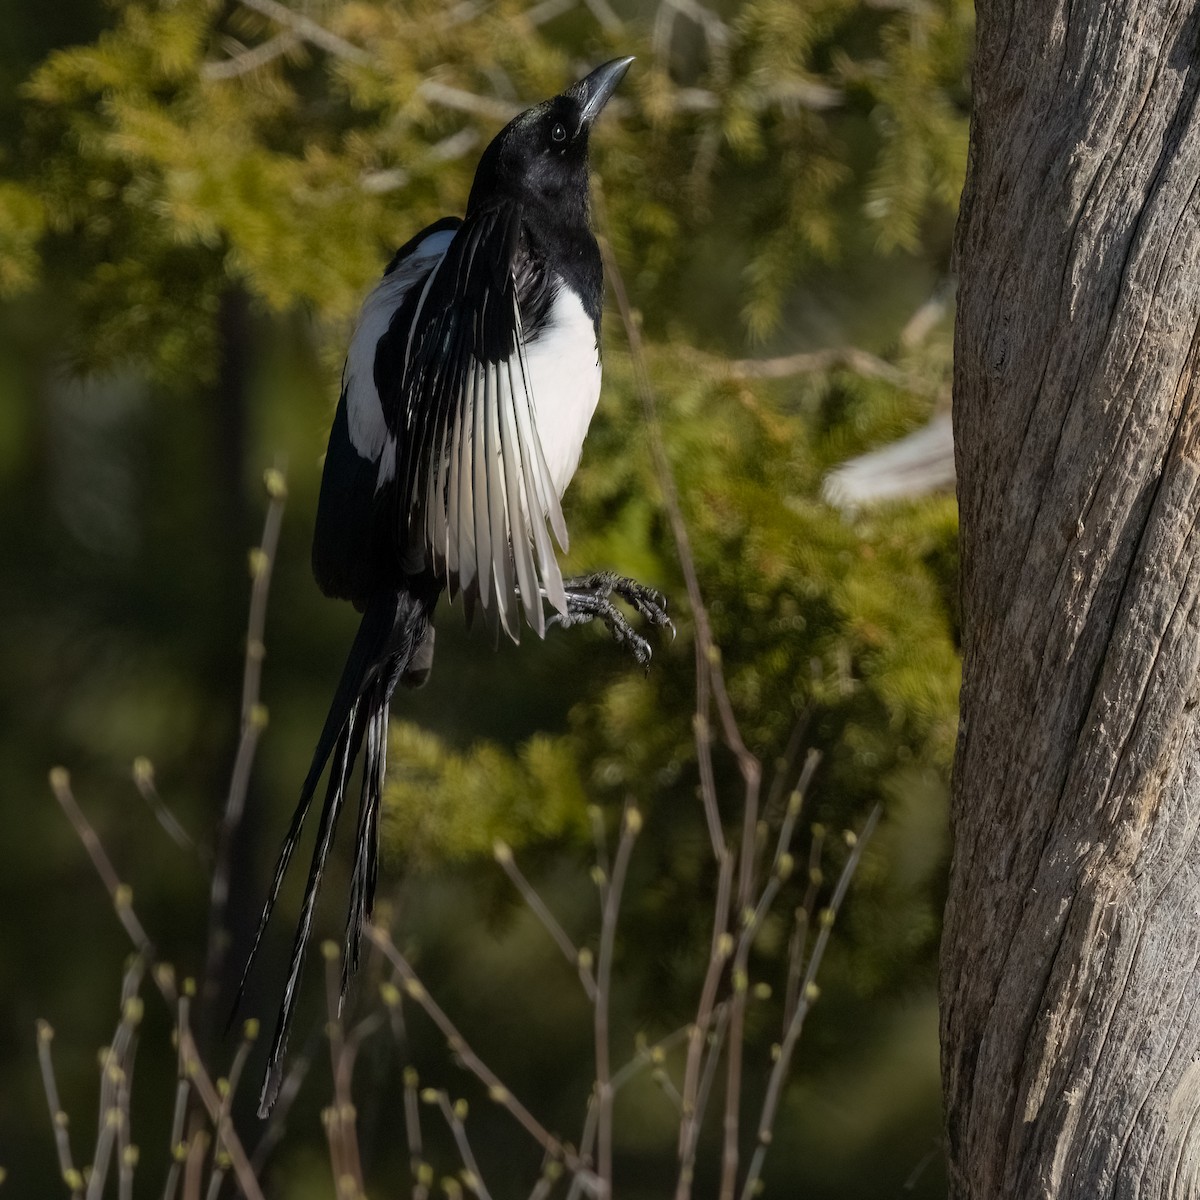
353, 542
471, 491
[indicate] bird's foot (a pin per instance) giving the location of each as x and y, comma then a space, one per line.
588, 597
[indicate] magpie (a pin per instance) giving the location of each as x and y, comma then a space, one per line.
471, 378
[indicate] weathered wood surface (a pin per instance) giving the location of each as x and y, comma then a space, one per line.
1071, 955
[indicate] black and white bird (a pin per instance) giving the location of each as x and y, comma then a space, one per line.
470, 382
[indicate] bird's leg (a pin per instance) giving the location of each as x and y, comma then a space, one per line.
588, 597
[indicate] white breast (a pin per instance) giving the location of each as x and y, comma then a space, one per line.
563, 361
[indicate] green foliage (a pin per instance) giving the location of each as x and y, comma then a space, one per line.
22, 221
443, 806
191, 143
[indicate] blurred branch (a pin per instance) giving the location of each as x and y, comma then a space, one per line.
308, 29
454, 1114
815, 362
220, 1157
807, 997
340, 1118
253, 722
143, 780
119, 893
245, 61
421, 1173
473, 1063
116, 1067
504, 856
611, 889
58, 1117
192, 1068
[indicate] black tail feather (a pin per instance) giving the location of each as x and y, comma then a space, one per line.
393, 629
366, 654
366, 853
345, 752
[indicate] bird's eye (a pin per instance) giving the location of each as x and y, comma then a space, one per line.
559, 132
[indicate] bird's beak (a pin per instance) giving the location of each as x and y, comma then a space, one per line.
595, 90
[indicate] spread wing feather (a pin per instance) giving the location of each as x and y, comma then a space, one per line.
473, 492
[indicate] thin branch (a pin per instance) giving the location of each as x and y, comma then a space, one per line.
228, 1089
631, 825
807, 997
310, 31
540, 14
454, 1113
119, 893
143, 779
504, 856
720, 949
340, 1118
164, 979
211, 1101
253, 722
116, 1066
178, 1148
470, 1060
803, 920
421, 1173
814, 362
250, 60
747, 763
58, 1117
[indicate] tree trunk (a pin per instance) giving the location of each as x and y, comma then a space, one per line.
1071, 956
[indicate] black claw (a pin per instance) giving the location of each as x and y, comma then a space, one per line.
588, 598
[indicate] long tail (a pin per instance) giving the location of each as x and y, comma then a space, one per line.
391, 631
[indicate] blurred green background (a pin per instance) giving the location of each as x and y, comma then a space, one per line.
194, 198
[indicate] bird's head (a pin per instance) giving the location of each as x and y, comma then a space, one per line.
541, 156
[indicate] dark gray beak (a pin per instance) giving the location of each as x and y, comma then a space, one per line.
595, 90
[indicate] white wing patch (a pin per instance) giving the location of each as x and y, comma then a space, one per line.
364, 412
505, 463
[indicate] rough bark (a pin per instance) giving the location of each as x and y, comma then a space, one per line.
1071, 956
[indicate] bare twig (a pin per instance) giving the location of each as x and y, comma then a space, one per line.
143, 779
504, 856
470, 1060
58, 1117
802, 922
807, 997
253, 722
814, 362
119, 893
340, 1118
116, 1068
246, 61
454, 1114
540, 14
179, 1149
720, 949
164, 979
421, 1172
631, 825
227, 1089
310, 31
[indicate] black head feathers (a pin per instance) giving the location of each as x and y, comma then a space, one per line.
541, 156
